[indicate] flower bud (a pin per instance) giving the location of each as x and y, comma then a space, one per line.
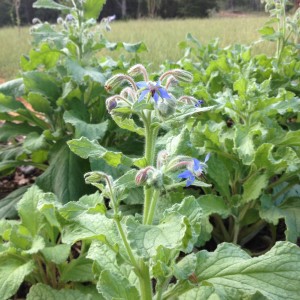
111, 103
60, 21
69, 18
138, 69
117, 80
142, 176
155, 179
36, 21
166, 108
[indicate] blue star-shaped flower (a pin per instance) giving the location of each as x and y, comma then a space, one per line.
196, 170
154, 88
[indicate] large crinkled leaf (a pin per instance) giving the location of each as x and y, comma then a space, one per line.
275, 274
64, 176
115, 286
85, 148
40, 103
34, 142
212, 204
92, 8
12, 273
105, 256
174, 232
291, 138
50, 4
43, 291
289, 209
82, 128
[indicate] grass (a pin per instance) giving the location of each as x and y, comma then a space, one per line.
160, 36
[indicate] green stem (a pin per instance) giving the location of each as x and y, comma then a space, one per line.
220, 224
145, 281
152, 207
126, 244
249, 233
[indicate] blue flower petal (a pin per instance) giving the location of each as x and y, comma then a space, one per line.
163, 93
155, 97
142, 84
143, 95
190, 181
185, 174
196, 166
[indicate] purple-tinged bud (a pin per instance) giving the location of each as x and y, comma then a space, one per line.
199, 103
111, 103
138, 69
69, 18
190, 101
179, 162
111, 18
143, 175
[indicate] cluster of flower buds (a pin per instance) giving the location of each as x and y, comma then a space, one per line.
194, 169
153, 92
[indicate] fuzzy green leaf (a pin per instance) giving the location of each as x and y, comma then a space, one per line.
49, 4
92, 8
115, 286
289, 209
43, 291
12, 273
57, 254
82, 128
274, 274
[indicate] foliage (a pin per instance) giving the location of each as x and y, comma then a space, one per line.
220, 163
62, 87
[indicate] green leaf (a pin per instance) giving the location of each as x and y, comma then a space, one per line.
43, 291
42, 83
57, 254
82, 128
173, 232
85, 148
13, 88
12, 273
115, 286
8, 204
79, 269
274, 274
34, 142
289, 209
128, 124
39, 103
135, 48
10, 130
27, 209
253, 187
78, 73
64, 176
86, 226
92, 8
50, 4
212, 204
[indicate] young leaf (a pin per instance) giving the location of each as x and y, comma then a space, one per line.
12, 273
43, 291
115, 286
50, 4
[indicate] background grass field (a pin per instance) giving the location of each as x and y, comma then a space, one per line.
160, 36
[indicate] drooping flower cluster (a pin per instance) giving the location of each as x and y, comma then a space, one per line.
156, 93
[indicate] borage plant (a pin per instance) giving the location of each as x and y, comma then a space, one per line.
152, 253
